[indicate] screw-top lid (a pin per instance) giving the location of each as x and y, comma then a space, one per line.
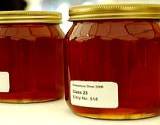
30, 17
115, 11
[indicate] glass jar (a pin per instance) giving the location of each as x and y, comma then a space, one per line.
31, 56
113, 61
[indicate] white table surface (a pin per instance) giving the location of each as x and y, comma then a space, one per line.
55, 113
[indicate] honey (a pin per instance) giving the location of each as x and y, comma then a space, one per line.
113, 65
31, 57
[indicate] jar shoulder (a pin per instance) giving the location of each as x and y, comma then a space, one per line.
128, 30
30, 31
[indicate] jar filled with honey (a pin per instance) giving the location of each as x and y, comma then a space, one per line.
31, 56
113, 61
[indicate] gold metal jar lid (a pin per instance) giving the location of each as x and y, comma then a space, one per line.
29, 17
115, 11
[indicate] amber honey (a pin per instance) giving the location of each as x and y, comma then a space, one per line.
121, 52
31, 53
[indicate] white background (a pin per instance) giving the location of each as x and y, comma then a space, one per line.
56, 113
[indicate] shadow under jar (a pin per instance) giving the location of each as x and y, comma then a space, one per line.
31, 56
113, 61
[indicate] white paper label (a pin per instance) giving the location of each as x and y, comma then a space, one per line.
4, 82
94, 94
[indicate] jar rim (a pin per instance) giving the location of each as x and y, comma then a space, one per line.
114, 11
30, 17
